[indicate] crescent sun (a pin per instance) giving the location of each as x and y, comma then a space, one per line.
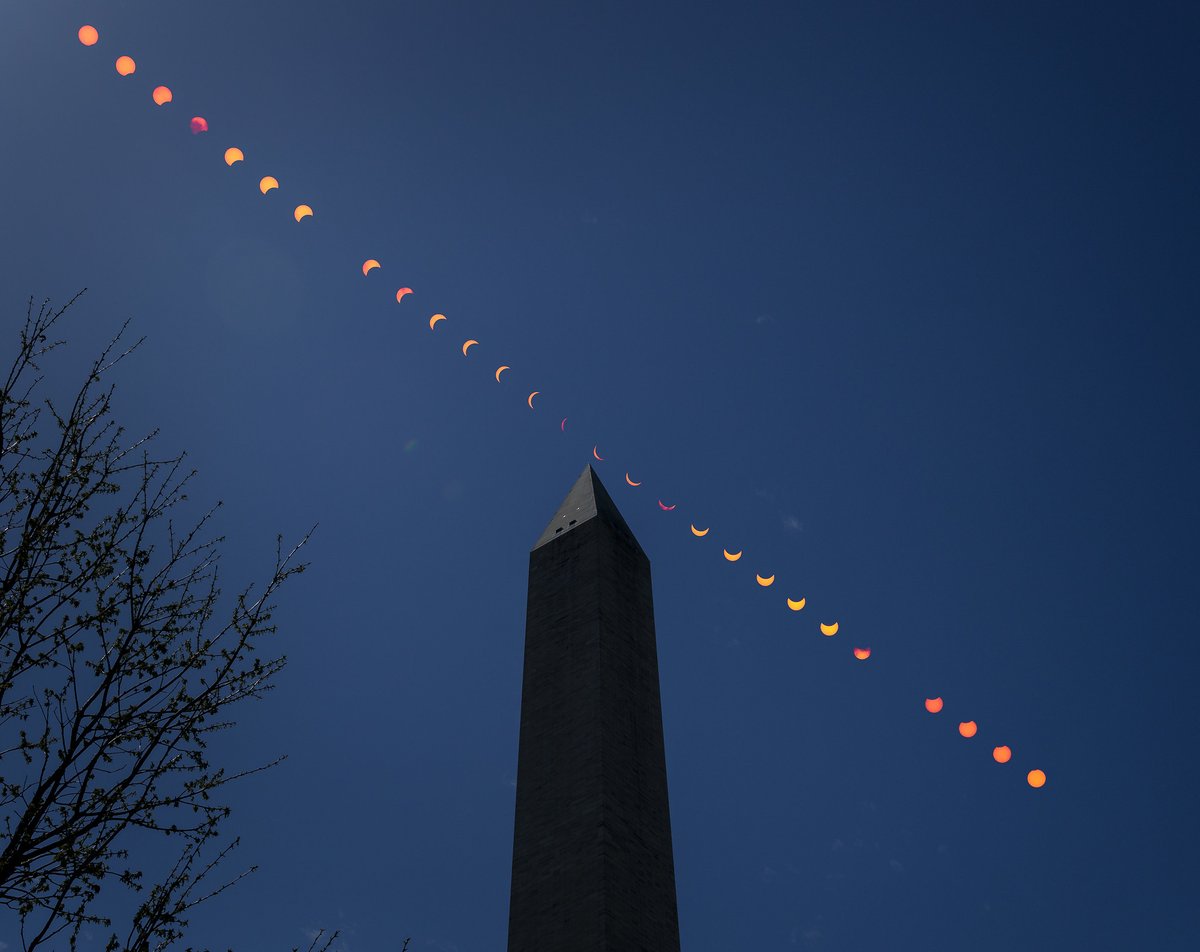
369, 265
500, 370
665, 508
531, 396
400, 294
732, 556
467, 345
596, 453
829, 630
563, 426
630, 481
764, 581
434, 320
796, 604
698, 532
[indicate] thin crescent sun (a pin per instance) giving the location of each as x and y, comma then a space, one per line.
829, 630
732, 556
698, 532
531, 396
596, 453
630, 481
400, 294
666, 508
435, 319
764, 581
796, 604
563, 426
468, 344
369, 265
500, 370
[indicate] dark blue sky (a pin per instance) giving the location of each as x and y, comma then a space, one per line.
899, 299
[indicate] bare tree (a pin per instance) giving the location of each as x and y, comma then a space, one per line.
117, 660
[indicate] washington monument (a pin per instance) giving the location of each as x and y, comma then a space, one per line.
592, 868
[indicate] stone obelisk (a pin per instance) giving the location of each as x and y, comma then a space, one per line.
593, 869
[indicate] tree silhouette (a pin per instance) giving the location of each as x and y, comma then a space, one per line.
118, 660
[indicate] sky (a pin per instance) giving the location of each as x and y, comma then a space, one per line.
898, 299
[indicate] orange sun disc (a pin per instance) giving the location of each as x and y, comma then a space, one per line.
302, 212
268, 182
933, 705
369, 265
829, 630
234, 154
161, 95
1036, 778
968, 728
467, 345
1002, 755
862, 654
89, 35
125, 65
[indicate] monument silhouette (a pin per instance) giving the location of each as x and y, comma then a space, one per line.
593, 869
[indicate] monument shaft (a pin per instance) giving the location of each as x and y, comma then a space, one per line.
593, 869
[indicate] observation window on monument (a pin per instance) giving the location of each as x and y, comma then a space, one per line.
572, 522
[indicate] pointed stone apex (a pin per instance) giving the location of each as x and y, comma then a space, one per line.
588, 499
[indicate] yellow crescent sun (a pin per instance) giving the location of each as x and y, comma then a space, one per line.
433, 320
267, 182
468, 344
234, 154
732, 556
765, 581
500, 370
699, 532
531, 396
630, 481
796, 604
369, 265
302, 211
830, 630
